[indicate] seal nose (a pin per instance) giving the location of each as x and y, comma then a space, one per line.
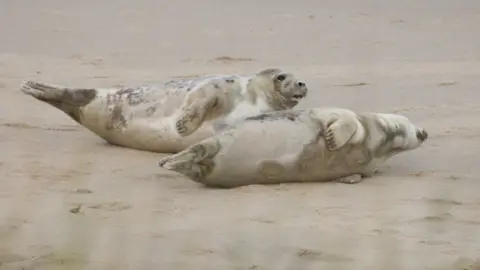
301, 84
422, 135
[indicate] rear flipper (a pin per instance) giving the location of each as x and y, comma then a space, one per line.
55, 94
195, 162
68, 100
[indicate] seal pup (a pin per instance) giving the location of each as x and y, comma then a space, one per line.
170, 117
313, 145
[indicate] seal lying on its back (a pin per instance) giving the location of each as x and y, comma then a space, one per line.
176, 115
321, 144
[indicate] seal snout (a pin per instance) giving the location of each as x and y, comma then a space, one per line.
422, 135
302, 90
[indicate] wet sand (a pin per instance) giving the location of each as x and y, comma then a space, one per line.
68, 200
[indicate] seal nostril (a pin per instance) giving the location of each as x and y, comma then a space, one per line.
301, 84
419, 135
422, 135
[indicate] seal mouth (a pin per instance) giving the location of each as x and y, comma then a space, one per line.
297, 97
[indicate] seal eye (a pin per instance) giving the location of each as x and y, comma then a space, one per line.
281, 78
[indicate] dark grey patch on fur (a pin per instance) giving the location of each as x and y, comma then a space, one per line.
181, 84
69, 100
73, 101
291, 115
72, 97
117, 120
79, 97
216, 86
134, 96
151, 110
75, 113
186, 84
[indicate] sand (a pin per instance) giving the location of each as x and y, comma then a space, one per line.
68, 200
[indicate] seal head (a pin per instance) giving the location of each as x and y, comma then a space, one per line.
402, 134
288, 90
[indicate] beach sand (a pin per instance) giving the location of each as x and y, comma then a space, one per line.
68, 200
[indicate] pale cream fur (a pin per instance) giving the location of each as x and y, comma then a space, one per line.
175, 115
315, 145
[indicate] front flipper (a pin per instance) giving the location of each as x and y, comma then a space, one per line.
198, 105
340, 131
351, 179
357, 178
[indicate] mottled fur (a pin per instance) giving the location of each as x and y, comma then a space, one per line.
178, 113
315, 145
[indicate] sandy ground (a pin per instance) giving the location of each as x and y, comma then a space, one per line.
70, 201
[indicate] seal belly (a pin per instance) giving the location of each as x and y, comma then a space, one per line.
142, 125
258, 155
330, 165
245, 148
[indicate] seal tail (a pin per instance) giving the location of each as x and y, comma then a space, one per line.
58, 96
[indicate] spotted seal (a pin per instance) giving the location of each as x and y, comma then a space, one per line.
170, 117
312, 145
